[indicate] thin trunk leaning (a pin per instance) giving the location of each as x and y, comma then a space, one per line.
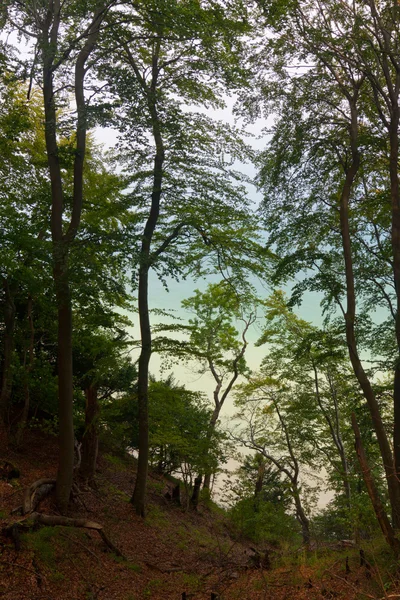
379, 509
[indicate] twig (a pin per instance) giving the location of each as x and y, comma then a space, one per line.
67, 537
4, 562
353, 587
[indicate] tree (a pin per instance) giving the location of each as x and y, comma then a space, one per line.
330, 161
24, 185
259, 501
182, 176
263, 409
102, 369
65, 37
214, 343
180, 441
314, 363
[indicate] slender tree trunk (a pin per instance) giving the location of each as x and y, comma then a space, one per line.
211, 429
301, 515
334, 428
350, 315
219, 402
259, 482
395, 201
260, 476
65, 385
8, 349
49, 42
346, 479
139, 494
379, 509
90, 440
194, 500
28, 364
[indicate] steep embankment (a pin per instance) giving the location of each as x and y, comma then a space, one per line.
167, 555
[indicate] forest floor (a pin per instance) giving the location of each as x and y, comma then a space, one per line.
170, 552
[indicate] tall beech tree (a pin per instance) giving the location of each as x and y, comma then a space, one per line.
352, 51
180, 160
315, 364
64, 36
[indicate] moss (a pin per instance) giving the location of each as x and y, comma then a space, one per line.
156, 517
131, 566
44, 543
121, 463
152, 586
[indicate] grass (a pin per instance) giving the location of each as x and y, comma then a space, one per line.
46, 543
131, 566
152, 586
113, 489
121, 463
191, 581
156, 517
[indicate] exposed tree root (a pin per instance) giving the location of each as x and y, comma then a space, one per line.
35, 518
36, 493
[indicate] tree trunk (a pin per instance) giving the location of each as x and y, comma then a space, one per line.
139, 494
219, 401
49, 43
395, 201
380, 513
90, 440
194, 500
65, 385
259, 482
28, 364
260, 476
8, 349
350, 316
301, 515
211, 428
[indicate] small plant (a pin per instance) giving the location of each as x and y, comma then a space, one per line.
41, 542
156, 516
152, 585
116, 461
47, 426
191, 580
131, 566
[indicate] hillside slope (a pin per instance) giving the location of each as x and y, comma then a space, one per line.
169, 554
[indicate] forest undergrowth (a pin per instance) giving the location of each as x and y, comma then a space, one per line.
171, 554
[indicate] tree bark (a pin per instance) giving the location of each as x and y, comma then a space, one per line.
28, 364
139, 493
301, 515
395, 201
90, 440
8, 349
211, 428
350, 316
219, 401
49, 42
194, 500
260, 476
379, 509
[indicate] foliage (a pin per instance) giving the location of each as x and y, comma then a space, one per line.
270, 523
